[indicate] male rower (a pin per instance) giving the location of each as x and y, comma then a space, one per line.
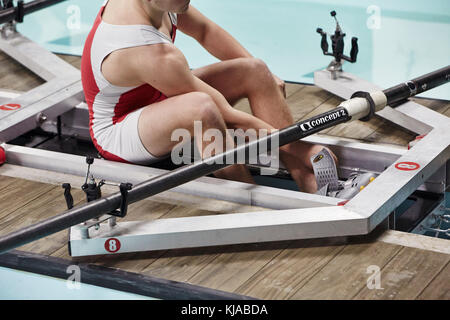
139, 87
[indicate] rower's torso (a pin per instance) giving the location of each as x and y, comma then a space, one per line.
116, 66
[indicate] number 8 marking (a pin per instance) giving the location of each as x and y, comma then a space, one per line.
407, 166
112, 245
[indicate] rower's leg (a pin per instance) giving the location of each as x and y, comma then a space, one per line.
159, 120
251, 78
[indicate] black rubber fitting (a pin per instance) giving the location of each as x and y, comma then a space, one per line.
20, 11
368, 97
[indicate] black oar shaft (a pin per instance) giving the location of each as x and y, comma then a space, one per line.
418, 85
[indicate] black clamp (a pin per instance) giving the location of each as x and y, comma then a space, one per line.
68, 195
90, 187
93, 191
6, 4
368, 97
122, 212
337, 43
20, 11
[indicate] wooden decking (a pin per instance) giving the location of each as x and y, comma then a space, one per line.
304, 269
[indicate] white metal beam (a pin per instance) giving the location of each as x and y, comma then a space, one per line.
227, 190
394, 186
36, 58
226, 229
51, 99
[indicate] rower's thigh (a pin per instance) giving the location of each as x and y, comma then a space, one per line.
233, 78
158, 121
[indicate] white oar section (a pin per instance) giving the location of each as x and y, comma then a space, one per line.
358, 108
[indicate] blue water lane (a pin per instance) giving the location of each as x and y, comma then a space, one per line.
19, 285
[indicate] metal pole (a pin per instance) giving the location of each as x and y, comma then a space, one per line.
10, 14
357, 108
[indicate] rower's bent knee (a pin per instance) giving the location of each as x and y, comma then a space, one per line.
258, 66
258, 73
204, 107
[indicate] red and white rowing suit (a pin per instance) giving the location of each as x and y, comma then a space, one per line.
114, 111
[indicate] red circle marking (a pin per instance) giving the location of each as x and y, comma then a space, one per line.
407, 166
10, 107
112, 245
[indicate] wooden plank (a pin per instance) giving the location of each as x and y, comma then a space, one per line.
19, 194
357, 129
50, 202
391, 134
307, 100
346, 274
407, 274
14, 76
236, 264
6, 181
73, 60
300, 101
3, 56
441, 106
290, 270
41, 208
447, 112
416, 241
439, 288
292, 88
180, 264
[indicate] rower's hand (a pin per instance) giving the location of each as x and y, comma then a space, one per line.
281, 85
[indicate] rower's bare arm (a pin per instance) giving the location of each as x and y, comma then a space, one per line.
211, 36
168, 71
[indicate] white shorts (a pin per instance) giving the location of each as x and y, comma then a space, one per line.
122, 140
